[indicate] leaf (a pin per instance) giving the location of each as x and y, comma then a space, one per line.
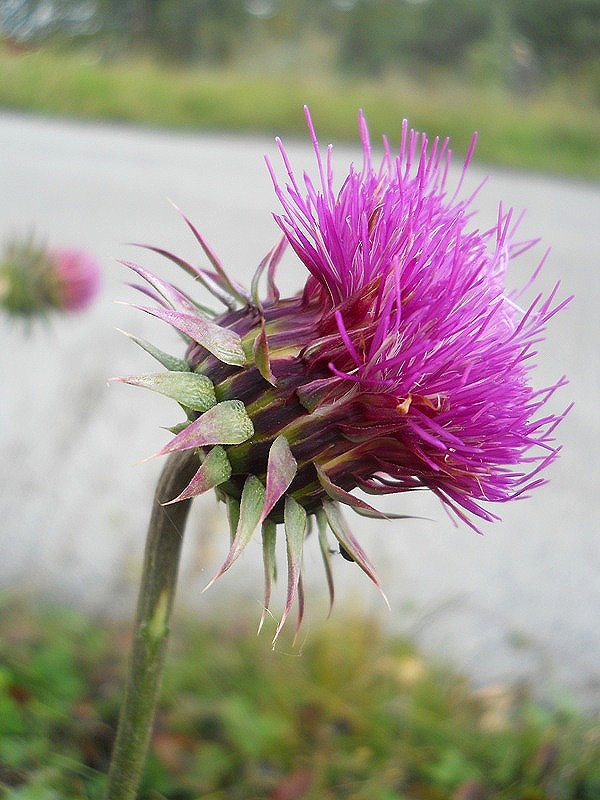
188, 388
251, 504
230, 286
326, 554
223, 343
171, 363
360, 506
316, 393
202, 276
180, 426
372, 513
348, 542
272, 290
269, 536
226, 423
256, 280
175, 298
149, 293
233, 515
215, 469
270, 262
261, 355
294, 518
300, 603
281, 470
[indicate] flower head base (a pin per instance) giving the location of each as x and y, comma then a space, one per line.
35, 280
403, 364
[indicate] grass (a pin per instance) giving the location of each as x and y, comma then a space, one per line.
556, 131
355, 715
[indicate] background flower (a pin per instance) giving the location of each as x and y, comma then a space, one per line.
35, 280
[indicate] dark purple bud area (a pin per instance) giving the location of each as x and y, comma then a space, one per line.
314, 438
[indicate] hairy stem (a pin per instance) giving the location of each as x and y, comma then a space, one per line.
157, 590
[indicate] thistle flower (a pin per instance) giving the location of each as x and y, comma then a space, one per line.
402, 365
35, 279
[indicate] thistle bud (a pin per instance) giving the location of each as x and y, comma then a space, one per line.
35, 280
402, 365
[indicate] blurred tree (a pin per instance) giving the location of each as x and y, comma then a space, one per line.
371, 35
508, 42
115, 22
178, 30
379, 34
221, 29
37, 20
143, 19
178, 27
446, 29
564, 33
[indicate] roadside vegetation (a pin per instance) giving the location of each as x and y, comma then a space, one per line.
549, 131
525, 74
357, 716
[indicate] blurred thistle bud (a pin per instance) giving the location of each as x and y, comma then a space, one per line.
402, 365
35, 280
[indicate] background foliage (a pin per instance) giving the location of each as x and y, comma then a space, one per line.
356, 717
524, 73
520, 43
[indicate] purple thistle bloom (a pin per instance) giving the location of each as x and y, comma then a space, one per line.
404, 363
440, 339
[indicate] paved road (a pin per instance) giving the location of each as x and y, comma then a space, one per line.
521, 601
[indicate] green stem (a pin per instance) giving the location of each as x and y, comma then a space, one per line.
159, 579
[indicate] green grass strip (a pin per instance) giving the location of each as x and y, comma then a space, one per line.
551, 131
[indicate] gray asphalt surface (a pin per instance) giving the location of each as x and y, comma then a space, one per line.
522, 601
